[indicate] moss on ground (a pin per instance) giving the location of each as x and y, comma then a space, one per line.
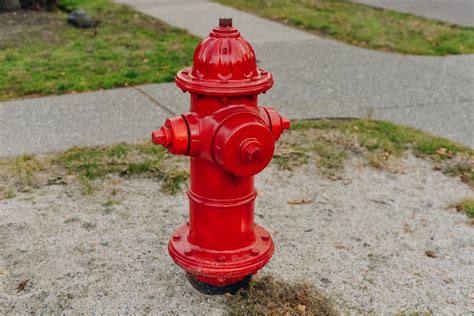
365, 26
268, 296
41, 54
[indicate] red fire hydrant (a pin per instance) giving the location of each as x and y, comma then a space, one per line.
229, 139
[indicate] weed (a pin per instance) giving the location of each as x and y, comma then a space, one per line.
119, 151
19, 174
138, 167
467, 206
87, 186
463, 168
111, 202
333, 140
330, 158
172, 180
290, 160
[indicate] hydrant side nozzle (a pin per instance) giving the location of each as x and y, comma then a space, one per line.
173, 135
275, 121
285, 123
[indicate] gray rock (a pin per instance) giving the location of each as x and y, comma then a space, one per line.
80, 19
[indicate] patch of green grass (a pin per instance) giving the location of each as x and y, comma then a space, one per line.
138, 167
269, 296
19, 175
327, 143
290, 160
331, 141
463, 168
389, 137
172, 181
467, 206
87, 186
365, 26
331, 159
48, 56
87, 165
111, 202
94, 163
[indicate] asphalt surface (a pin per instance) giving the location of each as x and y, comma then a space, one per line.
314, 77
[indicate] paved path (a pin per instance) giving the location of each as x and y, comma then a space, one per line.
315, 77
60, 122
454, 11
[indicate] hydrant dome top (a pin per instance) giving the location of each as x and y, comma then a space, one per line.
224, 65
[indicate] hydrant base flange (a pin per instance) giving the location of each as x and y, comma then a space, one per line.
220, 268
209, 289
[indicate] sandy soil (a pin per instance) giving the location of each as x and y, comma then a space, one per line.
361, 240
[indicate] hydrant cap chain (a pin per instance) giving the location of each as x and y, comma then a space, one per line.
224, 65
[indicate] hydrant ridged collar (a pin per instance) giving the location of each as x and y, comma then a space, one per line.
259, 84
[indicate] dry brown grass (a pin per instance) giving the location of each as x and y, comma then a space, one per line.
267, 295
466, 205
89, 166
329, 143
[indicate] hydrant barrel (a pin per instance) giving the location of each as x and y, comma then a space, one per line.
229, 140
218, 207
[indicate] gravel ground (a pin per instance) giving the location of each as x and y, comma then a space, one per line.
361, 240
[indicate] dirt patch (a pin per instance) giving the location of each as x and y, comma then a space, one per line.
19, 26
361, 241
269, 296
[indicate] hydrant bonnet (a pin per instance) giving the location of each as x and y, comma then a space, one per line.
224, 65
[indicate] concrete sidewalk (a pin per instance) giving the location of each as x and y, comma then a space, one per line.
314, 77
57, 123
459, 12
